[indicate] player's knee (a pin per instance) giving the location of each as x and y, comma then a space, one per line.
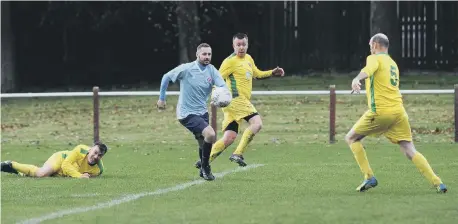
210, 139
409, 154
229, 138
408, 149
256, 126
348, 139
352, 137
41, 173
209, 135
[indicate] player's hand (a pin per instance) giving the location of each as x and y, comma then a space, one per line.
85, 175
278, 71
355, 85
160, 104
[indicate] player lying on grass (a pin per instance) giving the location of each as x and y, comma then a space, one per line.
197, 79
239, 70
82, 162
386, 114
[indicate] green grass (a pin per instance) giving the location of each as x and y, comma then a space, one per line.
305, 179
313, 81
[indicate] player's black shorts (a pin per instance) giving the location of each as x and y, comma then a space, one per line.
234, 126
195, 123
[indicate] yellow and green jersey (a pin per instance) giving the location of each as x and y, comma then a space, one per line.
382, 84
75, 163
239, 73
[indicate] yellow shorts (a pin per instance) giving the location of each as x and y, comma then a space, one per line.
238, 109
394, 126
55, 161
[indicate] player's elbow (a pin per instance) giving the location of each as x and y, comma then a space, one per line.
66, 168
164, 83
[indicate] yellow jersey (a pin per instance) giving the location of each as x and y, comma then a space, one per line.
75, 163
239, 73
382, 84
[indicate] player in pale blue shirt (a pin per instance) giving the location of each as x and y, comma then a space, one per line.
196, 83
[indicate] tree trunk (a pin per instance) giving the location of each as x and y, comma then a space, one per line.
272, 33
188, 30
384, 19
7, 45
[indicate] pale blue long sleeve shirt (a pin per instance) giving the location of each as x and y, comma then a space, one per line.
196, 83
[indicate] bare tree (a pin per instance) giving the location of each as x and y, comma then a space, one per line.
188, 30
384, 19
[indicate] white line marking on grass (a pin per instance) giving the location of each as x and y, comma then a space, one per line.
84, 195
132, 197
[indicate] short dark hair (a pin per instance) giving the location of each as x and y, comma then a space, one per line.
239, 36
382, 40
202, 45
102, 147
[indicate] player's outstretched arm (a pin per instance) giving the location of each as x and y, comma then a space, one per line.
265, 74
164, 85
278, 71
171, 76
356, 83
367, 71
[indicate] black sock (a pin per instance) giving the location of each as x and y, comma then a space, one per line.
200, 140
206, 150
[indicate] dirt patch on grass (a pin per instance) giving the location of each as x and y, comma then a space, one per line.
12, 127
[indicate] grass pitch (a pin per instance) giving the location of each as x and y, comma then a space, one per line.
304, 178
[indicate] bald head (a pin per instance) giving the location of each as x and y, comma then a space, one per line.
380, 39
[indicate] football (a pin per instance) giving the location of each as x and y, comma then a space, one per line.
221, 97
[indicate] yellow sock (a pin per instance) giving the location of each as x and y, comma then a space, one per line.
361, 158
28, 170
217, 149
246, 139
422, 164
